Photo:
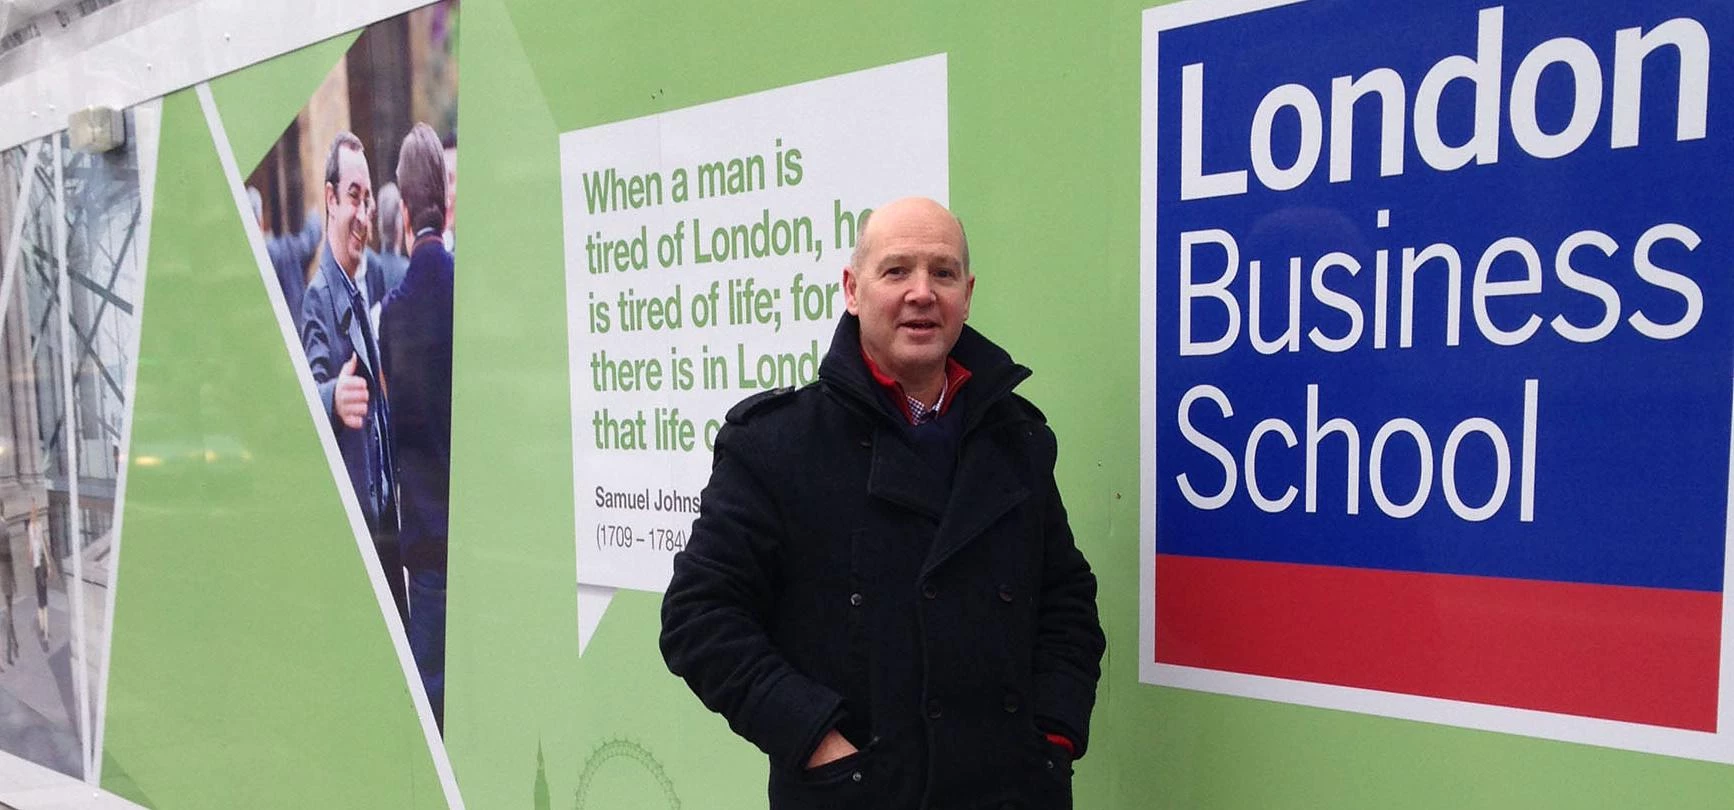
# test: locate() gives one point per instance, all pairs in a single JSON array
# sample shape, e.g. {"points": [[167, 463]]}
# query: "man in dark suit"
{"points": [[289, 254], [416, 341], [386, 266], [343, 354]]}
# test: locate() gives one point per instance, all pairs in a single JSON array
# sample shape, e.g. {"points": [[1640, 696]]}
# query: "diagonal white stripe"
{"points": [[28, 786], [171, 51]]}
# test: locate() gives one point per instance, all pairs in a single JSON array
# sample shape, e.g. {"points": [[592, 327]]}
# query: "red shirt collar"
{"points": [[913, 410]]}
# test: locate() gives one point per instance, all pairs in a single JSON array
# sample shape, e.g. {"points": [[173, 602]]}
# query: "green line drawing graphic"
{"points": [[627, 750]]}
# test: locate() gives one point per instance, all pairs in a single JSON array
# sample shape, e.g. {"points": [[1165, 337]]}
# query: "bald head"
{"points": [[910, 286], [896, 215]]}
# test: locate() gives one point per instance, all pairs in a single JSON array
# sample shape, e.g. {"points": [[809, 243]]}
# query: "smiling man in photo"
{"points": [[343, 352]]}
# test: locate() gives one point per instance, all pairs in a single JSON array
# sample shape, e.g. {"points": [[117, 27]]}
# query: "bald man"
{"points": [[881, 590]]}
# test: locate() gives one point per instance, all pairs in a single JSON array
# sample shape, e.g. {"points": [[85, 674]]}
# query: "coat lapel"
{"points": [[337, 294], [902, 477], [351, 327], [983, 491]]}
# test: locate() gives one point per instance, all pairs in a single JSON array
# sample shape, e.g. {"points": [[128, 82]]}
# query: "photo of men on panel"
{"points": [[356, 204]]}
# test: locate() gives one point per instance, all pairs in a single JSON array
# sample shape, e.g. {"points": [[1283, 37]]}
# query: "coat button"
{"points": [[933, 712], [1011, 703], [855, 599], [856, 776], [1005, 594], [929, 591]]}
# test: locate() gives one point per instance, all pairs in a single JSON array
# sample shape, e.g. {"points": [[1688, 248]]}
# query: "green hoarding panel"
{"points": [[251, 664]]}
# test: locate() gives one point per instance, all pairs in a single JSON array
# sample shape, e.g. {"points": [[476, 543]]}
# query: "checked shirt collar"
{"points": [[914, 410]]}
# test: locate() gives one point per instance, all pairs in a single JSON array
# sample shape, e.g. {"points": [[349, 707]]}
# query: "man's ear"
{"points": [[968, 295], [849, 301]]}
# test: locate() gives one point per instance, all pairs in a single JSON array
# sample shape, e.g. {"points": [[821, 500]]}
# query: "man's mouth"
{"points": [[919, 325]]}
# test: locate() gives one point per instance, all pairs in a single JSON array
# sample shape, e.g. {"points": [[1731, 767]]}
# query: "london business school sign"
{"points": [[1438, 312]]}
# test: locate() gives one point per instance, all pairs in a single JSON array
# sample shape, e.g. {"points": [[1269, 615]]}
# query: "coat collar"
{"points": [[985, 485], [993, 373]]}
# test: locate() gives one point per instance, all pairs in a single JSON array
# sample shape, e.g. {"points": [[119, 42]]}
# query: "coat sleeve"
{"points": [[715, 614], [317, 344], [1069, 643]]}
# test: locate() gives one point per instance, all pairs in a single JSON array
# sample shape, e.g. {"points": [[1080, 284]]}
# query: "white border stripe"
{"points": [[1438, 711], [147, 124], [1147, 361], [316, 413], [1724, 692], [28, 786], [1713, 747], [176, 50]]}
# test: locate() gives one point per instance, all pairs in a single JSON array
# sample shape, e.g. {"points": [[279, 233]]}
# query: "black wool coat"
{"points": [[836, 577]]}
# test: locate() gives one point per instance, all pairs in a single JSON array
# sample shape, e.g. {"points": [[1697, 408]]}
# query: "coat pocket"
{"points": [[837, 770], [1050, 782], [842, 784]]}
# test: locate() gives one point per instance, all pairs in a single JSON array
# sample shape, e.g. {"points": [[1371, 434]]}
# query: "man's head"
{"points": [[421, 175], [451, 148], [390, 220], [348, 202], [909, 283]]}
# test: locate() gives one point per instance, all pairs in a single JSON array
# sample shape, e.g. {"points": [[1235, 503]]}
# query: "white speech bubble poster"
{"points": [[704, 254]]}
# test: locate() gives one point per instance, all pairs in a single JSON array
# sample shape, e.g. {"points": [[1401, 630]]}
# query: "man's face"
{"points": [[911, 290], [406, 237], [349, 210]]}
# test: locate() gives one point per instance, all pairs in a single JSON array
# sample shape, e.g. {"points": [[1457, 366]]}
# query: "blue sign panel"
{"points": [[1442, 291]]}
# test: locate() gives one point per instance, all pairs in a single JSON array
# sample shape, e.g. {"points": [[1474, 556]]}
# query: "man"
{"points": [[289, 254], [451, 225], [43, 566], [416, 344], [881, 590], [343, 354], [385, 267]]}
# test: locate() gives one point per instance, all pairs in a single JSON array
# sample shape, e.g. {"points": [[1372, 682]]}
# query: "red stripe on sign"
{"points": [[1641, 655]]}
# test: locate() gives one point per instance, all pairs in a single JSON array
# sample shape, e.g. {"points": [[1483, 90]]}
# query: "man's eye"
{"points": [[897, 272]]}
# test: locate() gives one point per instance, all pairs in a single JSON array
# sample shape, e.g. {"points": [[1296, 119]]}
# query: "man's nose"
{"points": [[921, 289]]}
